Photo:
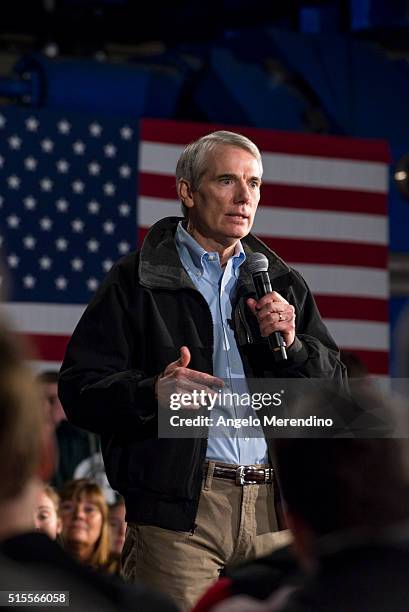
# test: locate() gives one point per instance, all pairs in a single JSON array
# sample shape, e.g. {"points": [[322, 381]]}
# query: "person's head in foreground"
{"points": [[355, 485], [84, 516], [25, 453], [46, 515]]}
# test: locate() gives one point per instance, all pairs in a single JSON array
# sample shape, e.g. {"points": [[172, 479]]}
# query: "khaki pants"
{"points": [[234, 523]]}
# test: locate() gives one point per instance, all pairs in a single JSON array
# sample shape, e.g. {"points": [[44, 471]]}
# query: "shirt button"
{"points": [[198, 274]]}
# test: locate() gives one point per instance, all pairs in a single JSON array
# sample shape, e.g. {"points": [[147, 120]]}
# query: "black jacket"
{"points": [[144, 311], [39, 561]]}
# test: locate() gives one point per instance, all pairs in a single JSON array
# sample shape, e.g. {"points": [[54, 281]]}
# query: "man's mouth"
{"points": [[238, 215]]}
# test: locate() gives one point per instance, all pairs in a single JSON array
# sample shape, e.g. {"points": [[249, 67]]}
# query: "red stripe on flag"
{"points": [[284, 196], [377, 362], [353, 308], [157, 186], [330, 200], [48, 347], [328, 252], [174, 132]]}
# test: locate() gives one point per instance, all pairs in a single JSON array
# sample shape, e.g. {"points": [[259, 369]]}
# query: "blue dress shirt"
{"points": [[218, 286]]}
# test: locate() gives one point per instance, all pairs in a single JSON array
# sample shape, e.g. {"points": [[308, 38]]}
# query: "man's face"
{"points": [[54, 408], [222, 208]]}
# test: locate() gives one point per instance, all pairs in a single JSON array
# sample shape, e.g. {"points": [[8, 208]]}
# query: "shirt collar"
{"points": [[187, 245]]}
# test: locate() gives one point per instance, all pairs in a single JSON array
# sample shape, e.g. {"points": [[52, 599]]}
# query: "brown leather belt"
{"points": [[245, 474]]}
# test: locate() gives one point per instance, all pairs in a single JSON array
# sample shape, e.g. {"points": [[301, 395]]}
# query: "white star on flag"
{"points": [[77, 264], [29, 281], [46, 224], [77, 226], [13, 182], [93, 207], [92, 245], [64, 126], [78, 186], [124, 247], [107, 265], [29, 242], [94, 168], [110, 150], [92, 284], [124, 209], [14, 142], [109, 189], [30, 203], [126, 132], [62, 166], [30, 163], [61, 244], [108, 227], [32, 124], [13, 221], [46, 184], [95, 129], [45, 262], [61, 283], [47, 145], [78, 147], [62, 205], [13, 260]]}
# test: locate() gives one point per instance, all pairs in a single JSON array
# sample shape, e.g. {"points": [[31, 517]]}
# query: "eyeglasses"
{"points": [[68, 507]]}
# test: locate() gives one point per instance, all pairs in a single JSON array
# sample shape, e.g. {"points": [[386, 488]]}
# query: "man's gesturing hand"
{"points": [[178, 378], [274, 313]]}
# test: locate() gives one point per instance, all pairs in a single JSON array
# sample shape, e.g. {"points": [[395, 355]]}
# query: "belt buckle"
{"points": [[240, 473]]}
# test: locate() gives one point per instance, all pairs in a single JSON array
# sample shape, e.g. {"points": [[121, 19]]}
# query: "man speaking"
{"points": [[183, 313]]}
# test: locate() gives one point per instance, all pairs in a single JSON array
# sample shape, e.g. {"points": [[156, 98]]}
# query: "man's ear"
{"points": [[185, 193]]}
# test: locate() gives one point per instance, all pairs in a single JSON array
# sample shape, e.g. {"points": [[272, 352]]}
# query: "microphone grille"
{"points": [[257, 262]]}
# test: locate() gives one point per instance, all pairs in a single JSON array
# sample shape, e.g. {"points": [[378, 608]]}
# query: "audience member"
{"points": [[117, 532], [29, 558], [84, 515], [46, 515], [79, 451]]}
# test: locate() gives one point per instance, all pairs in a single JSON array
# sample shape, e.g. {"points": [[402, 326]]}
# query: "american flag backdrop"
{"points": [[68, 211], [73, 189]]}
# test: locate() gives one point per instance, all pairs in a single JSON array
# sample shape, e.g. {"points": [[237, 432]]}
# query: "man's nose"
{"points": [[242, 192]]}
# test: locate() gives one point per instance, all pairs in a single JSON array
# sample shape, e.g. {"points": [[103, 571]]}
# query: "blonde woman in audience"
{"points": [[84, 515], [46, 515]]}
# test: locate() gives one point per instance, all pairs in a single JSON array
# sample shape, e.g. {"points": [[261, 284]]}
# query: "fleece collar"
{"points": [[160, 266]]}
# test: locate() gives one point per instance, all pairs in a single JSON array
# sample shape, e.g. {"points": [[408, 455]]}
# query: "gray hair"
{"points": [[192, 163]]}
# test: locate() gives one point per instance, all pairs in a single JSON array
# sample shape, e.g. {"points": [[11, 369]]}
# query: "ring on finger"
{"points": [[280, 317]]}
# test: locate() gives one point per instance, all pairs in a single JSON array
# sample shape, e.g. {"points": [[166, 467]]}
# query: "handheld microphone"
{"points": [[258, 266]]}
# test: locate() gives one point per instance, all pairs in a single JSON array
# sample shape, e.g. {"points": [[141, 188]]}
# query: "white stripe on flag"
{"points": [[54, 319], [345, 281], [284, 168], [43, 366], [359, 334], [321, 225], [288, 223], [312, 171]]}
